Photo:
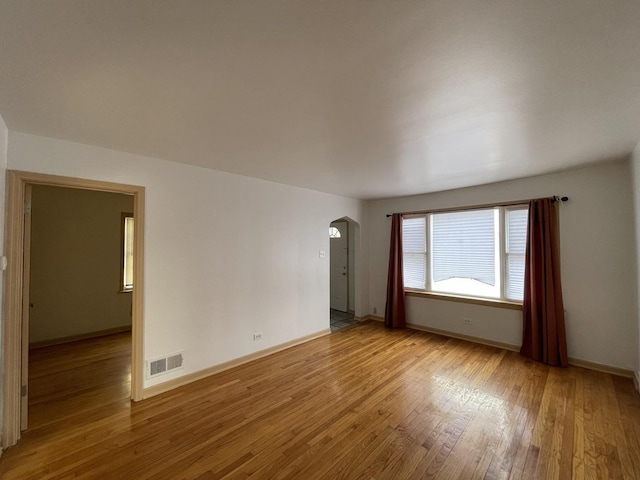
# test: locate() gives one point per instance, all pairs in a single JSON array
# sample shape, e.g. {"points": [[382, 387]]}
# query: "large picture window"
{"points": [[470, 253]]}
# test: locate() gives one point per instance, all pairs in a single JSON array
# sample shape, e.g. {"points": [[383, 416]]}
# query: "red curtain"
{"points": [[543, 337], [394, 310]]}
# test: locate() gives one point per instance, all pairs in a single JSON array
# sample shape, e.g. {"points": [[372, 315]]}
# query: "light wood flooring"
{"points": [[364, 402]]}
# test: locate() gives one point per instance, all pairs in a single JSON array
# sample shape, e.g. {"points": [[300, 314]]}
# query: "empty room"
{"points": [[319, 239]]}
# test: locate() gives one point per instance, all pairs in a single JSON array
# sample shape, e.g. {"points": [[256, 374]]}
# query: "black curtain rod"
{"points": [[555, 198]]}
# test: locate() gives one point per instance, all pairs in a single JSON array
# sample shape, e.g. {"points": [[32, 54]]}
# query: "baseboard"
{"points": [[446, 333], [195, 376], [600, 367], [468, 338], [82, 336], [576, 362], [207, 372]]}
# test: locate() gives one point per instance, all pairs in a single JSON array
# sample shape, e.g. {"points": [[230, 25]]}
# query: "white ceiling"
{"points": [[363, 98]]}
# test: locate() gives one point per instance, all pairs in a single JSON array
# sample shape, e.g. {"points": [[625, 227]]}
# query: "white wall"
{"points": [[598, 262], [76, 254], [225, 255], [4, 139], [635, 166]]}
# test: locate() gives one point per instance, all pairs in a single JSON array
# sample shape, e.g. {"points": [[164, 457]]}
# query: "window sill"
{"points": [[472, 300]]}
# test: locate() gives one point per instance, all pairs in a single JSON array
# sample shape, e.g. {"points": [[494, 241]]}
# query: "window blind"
{"points": [[414, 246], [516, 240], [463, 246]]}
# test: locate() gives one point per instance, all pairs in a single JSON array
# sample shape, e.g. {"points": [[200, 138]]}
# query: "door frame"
{"points": [[15, 294], [346, 235]]}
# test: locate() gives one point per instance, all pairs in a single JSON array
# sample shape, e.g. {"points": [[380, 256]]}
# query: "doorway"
{"points": [[17, 301], [339, 265], [78, 305], [342, 241]]}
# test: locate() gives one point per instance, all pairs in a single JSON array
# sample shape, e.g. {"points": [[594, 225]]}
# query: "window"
{"points": [[127, 253], [515, 245], [470, 253], [334, 232]]}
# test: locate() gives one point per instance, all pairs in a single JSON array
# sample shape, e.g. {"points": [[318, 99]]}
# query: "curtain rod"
{"points": [[555, 198]]}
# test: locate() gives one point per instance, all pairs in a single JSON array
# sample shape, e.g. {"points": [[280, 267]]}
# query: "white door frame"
{"points": [[14, 291]]}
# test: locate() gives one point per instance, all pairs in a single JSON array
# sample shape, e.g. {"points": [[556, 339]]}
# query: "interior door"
{"points": [[339, 270]]}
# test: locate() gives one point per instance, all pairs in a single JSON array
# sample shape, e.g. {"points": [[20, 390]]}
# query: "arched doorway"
{"points": [[343, 239]]}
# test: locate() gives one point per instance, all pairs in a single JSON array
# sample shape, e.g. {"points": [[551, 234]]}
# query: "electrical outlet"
{"points": [[375, 310], [257, 336], [466, 320]]}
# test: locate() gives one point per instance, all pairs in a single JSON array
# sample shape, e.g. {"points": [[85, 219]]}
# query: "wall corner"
{"points": [[635, 175]]}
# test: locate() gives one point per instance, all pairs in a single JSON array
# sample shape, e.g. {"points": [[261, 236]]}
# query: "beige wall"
{"points": [[75, 263]]}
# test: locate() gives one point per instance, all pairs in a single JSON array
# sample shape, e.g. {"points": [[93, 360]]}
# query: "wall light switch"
{"points": [[3, 262], [323, 254]]}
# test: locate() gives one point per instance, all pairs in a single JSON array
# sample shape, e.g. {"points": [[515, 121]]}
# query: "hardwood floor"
{"points": [[364, 402]]}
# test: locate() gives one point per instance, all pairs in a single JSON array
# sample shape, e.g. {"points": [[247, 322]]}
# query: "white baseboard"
{"points": [[468, 338], [207, 372], [601, 367], [577, 362], [199, 375], [82, 336]]}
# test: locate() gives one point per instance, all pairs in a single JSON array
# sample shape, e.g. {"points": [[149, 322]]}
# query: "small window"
{"points": [[334, 232], [127, 252]]}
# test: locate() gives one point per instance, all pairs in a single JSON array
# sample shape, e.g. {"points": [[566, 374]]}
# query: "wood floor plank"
{"points": [[577, 467], [364, 402]]}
